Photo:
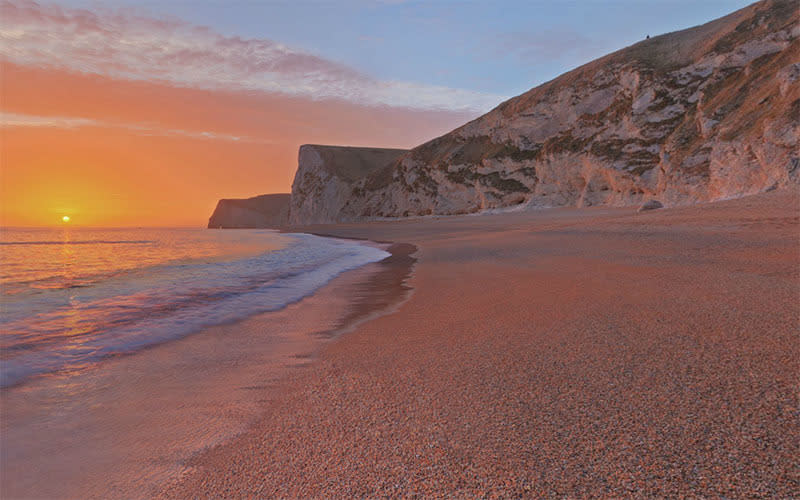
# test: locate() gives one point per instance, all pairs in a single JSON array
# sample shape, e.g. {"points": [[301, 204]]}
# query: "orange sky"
{"points": [[114, 152]]}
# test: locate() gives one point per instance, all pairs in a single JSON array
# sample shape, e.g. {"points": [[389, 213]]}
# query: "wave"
{"points": [[57, 331]]}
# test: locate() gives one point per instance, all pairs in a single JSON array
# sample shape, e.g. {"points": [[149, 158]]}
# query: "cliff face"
{"points": [[326, 176], [702, 114], [269, 210]]}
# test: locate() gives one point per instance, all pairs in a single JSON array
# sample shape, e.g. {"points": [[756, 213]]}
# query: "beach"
{"points": [[553, 353], [331, 250], [123, 426]]}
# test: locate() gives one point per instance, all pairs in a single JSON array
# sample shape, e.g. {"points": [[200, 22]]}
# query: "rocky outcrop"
{"points": [[326, 179], [265, 211], [651, 205], [702, 114]]}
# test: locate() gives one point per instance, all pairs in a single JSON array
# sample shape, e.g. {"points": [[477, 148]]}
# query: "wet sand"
{"points": [[559, 353], [125, 426]]}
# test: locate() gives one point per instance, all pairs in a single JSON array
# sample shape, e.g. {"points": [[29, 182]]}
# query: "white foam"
{"points": [[169, 302]]}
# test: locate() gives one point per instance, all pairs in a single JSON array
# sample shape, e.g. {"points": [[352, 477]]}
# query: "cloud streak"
{"points": [[15, 120], [124, 45], [9, 120]]}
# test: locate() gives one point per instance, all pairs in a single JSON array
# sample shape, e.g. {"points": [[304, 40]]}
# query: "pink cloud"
{"points": [[105, 137], [16, 120], [123, 44]]}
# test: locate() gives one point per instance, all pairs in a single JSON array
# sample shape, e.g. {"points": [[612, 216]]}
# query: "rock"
{"points": [[703, 114], [265, 211], [326, 178], [650, 205]]}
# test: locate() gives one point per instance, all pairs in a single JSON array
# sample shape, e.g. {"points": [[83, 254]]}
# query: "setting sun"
{"points": [[561, 239]]}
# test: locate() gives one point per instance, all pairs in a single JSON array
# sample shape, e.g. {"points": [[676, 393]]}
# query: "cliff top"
{"points": [[353, 163], [700, 114], [260, 203], [669, 51], [266, 210]]}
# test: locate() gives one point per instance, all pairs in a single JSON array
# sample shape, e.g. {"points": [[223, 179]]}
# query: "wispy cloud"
{"points": [[12, 120], [125, 45]]}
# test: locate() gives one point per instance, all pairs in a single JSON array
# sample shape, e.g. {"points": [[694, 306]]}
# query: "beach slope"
{"points": [[564, 352]]}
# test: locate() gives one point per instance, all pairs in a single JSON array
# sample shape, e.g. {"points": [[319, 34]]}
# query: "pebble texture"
{"points": [[554, 354]]}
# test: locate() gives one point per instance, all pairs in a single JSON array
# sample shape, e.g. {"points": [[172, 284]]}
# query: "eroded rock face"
{"points": [[265, 211], [703, 114], [326, 179]]}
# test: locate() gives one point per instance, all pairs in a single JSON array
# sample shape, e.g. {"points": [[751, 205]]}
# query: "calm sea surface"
{"points": [[71, 297]]}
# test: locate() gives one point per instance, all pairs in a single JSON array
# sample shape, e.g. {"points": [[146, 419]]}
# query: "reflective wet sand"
{"points": [[124, 427]]}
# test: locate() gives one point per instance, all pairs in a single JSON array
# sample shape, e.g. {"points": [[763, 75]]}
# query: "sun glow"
{"points": [[65, 219]]}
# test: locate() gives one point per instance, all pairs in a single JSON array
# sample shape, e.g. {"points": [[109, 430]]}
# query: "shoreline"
{"points": [[128, 424], [67, 371], [576, 352]]}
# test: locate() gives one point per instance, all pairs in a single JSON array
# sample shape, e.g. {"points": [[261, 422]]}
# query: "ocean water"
{"points": [[71, 297]]}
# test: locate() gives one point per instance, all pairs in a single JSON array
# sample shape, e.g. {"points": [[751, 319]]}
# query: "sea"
{"points": [[73, 297]]}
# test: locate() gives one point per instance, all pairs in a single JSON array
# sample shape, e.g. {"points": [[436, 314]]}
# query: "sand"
{"points": [[125, 426], [559, 353]]}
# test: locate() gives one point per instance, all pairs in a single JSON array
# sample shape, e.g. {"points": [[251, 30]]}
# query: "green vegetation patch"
{"points": [[504, 185], [770, 18], [564, 143], [453, 150], [638, 161]]}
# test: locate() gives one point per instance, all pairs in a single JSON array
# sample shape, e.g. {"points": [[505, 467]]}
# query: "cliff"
{"points": [[702, 114], [269, 210], [326, 176]]}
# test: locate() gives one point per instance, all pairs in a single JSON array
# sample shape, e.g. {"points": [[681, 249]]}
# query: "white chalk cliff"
{"points": [[326, 177], [702, 114]]}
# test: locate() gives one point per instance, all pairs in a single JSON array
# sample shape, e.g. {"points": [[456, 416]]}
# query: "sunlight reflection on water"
{"points": [[72, 297]]}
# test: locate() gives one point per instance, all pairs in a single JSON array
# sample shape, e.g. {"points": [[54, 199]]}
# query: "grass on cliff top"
{"points": [[352, 163]]}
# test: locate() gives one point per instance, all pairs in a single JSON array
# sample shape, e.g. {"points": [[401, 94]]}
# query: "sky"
{"points": [[123, 113]]}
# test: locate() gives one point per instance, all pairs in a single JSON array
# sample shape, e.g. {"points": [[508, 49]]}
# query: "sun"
{"points": [[65, 219]]}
